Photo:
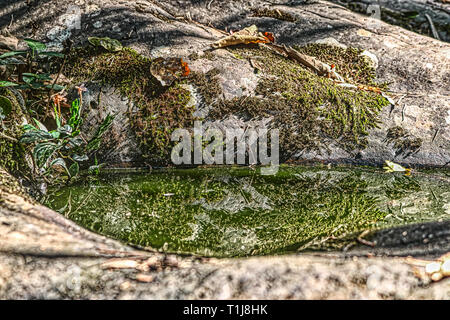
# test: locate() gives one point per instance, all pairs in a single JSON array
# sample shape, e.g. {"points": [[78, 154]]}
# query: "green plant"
{"points": [[25, 67], [63, 147]]}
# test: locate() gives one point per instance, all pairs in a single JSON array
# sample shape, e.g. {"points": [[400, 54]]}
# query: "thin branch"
{"points": [[8, 137]]}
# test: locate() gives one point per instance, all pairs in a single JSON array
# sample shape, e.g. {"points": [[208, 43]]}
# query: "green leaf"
{"points": [[52, 54], [12, 53], [34, 75], [58, 121], [27, 127], [94, 143], [109, 44], [80, 158], [55, 134], [5, 105], [36, 85], [35, 45], [44, 76], [74, 169], [74, 143], [28, 79], [65, 131], [56, 87], [40, 125], [60, 162], [35, 136], [8, 84], [43, 151], [11, 60], [95, 168], [75, 116]]}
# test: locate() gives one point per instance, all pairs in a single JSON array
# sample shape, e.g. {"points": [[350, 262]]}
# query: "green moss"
{"points": [[207, 85], [12, 152], [349, 63], [156, 120], [160, 110], [274, 13], [309, 110]]}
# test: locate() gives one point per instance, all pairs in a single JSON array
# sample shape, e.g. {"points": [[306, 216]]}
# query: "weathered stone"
{"points": [[43, 255]]}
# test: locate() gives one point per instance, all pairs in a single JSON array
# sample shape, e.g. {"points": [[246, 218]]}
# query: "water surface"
{"points": [[239, 212]]}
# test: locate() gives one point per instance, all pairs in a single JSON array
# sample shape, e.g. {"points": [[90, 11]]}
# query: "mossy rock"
{"points": [[309, 110], [160, 110], [12, 152]]}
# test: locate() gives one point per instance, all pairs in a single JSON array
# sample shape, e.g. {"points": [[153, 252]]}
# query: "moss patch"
{"points": [[274, 13], [160, 110], [207, 85], [12, 153], [309, 110], [349, 63]]}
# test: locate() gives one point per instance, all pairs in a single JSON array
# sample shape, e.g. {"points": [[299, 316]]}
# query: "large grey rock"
{"points": [[415, 66]]}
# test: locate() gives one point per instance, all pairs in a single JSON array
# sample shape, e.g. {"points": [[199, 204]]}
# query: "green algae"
{"points": [[238, 212]]}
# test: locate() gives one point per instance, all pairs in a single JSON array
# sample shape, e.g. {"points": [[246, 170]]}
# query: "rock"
{"points": [[8, 43], [418, 84], [331, 42]]}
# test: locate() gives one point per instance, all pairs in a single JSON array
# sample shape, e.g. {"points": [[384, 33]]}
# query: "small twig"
{"points": [[8, 137], [50, 92], [432, 27], [435, 134], [363, 241], [208, 6], [403, 112], [397, 103]]}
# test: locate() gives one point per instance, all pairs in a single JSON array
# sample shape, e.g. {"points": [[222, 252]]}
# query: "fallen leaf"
{"points": [[245, 36], [168, 70]]}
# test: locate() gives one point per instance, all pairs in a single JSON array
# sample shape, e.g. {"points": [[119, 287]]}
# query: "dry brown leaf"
{"points": [[244, 36], [168, 70]]}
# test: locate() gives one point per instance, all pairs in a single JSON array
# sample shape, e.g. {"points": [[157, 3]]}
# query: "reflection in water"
{"points": [[238, 212]]}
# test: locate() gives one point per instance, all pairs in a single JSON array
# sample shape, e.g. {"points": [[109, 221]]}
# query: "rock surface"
{"points": [[43, 255], [415, 66]]}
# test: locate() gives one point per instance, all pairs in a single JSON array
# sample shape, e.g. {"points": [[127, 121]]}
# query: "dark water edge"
{"points": [[230, 212]]}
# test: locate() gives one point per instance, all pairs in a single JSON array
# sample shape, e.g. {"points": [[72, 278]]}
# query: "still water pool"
{"points": [[228, 212]]}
